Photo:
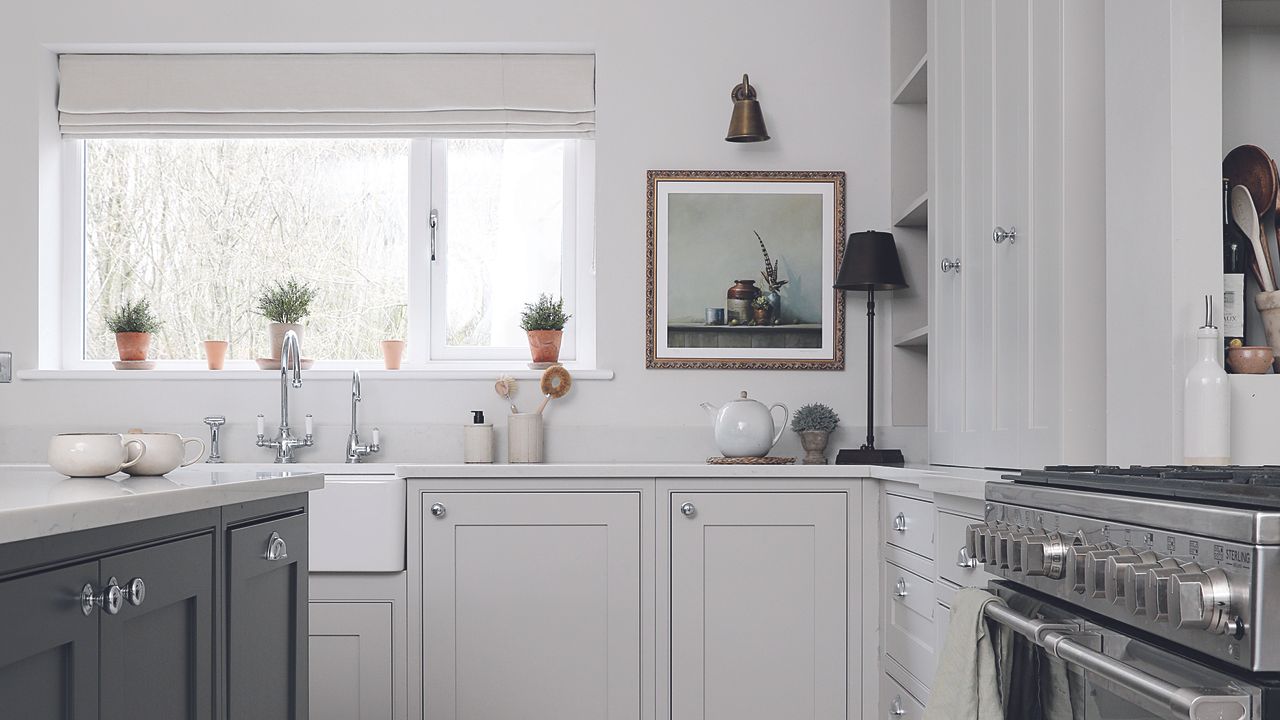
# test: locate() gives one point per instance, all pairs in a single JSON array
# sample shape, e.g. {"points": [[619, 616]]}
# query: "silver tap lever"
{"points": [[355, 450], [285, 442], [215, 423]]}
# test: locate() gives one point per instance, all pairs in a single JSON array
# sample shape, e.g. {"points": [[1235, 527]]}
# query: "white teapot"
{"points": [[744, 427]]}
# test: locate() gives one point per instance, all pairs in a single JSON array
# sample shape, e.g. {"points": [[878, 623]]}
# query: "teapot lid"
{"points": [[741, 396]]}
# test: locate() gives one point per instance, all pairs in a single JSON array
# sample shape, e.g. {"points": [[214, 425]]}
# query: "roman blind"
{"points": [[327, 95]]}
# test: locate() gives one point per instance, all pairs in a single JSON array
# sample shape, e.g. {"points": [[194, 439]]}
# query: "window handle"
{"points": [[432, 221]]}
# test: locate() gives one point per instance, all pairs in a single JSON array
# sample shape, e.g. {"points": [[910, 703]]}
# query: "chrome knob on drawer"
{"points": [[688, 510], [895, 708], [900, 588], [110, 599], [276, 548], [437, 510], [900, 522], [134, 591], [964, 560]]}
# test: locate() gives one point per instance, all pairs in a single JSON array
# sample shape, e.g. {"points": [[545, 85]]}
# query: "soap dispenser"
{"points": [[477, 439], [1206, 403]]}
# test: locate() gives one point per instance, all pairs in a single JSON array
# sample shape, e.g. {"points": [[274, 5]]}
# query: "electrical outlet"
{"points": [[6, 367]]}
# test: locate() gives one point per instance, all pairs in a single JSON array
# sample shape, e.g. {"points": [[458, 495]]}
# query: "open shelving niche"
{"points": [[909, 203]]}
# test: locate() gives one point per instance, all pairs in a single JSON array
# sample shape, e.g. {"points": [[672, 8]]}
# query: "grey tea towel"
{"points": [[967, 685]]}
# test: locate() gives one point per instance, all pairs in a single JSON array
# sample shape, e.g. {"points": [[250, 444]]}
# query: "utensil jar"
{"points": [[524, 438]]}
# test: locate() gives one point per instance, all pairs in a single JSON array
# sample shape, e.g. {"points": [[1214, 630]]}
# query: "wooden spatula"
{"points": [[1246, 216]]}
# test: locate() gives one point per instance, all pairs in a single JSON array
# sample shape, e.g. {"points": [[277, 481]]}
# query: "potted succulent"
{"points": [[543, 321], [285, 304], [814, 423], [133, 323]]}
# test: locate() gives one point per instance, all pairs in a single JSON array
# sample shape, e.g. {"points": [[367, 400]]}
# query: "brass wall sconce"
{"points": [[747, 122]]}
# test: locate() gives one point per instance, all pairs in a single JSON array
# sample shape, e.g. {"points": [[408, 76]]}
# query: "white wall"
{"points": [[665, 68]]}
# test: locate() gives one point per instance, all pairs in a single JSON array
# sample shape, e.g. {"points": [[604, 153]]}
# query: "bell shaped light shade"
{"points": [[870, 263], [747, 122]]}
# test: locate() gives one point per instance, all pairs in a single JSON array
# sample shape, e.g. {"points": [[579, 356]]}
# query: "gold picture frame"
{"points": [[704, 230]]}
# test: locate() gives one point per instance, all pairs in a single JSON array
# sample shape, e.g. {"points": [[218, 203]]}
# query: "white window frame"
{"points": [[426, 291]]}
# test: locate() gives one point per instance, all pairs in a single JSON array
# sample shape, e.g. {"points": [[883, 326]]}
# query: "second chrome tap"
{"points": [[356, 451]]}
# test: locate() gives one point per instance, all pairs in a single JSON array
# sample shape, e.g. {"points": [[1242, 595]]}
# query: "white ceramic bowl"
{"points": [[93, 454]]}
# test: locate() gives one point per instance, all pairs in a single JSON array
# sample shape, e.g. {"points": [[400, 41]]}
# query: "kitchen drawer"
{"points": [[896, 703], [909, 633], [909, 524], [951, 532]]}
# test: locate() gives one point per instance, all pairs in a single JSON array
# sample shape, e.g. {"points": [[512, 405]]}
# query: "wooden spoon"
{"points": [[1244, 215]]}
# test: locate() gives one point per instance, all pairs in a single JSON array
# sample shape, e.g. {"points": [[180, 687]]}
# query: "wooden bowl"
{"points": [[1250, 360]]}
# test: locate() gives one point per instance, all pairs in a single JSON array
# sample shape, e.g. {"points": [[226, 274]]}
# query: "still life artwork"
{"points": [[740, 266]]}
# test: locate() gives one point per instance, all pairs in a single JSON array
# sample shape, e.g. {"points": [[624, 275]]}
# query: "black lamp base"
{"points": [[863, 456]]}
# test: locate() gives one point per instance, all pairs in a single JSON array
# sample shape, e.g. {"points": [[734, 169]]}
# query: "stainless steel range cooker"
{"points": [[1159, 586]]}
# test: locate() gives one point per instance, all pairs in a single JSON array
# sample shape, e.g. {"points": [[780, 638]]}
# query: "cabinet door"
{"points": [[267, 620], [158, 655], [759, 603], [531, 606], [49, 647], [350, 660]]}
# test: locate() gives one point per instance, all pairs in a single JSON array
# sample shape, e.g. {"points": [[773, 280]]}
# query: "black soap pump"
{"points": [[477, 439]]}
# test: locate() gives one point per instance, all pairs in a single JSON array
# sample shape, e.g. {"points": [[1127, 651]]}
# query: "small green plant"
{"points": [[286, 302], [134, 317], [761, 302], [815, 416], [547, 313]]}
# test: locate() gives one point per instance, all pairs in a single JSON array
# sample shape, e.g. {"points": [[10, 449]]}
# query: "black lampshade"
{"points": [[870, 263]]}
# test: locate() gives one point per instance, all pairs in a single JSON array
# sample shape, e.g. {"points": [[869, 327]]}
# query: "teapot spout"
{"points": [[711, 409]]}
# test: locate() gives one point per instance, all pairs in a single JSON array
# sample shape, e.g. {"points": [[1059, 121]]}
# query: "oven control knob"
{"points": [[1004, 538], [1015, 550], [1156, 605], [987, 544], [1137, 577], [1074, 565], [1044, 555], [1095, 570], [973, 540], [1113, 581], [1200, 600]]}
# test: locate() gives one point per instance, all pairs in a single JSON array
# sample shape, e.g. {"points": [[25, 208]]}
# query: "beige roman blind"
{"points": [[302, 95]]}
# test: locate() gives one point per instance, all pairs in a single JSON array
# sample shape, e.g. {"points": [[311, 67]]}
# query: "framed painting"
{"points": [[740, 266]]}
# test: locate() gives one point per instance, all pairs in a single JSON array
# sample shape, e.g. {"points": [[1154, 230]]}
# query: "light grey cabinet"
{"points": [[530, 605], [351, 660], [759, 605]]}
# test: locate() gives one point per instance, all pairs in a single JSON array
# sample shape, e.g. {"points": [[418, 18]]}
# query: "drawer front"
{"points": [[909, 524], [951, 532], [909, 633], [896, 703]]}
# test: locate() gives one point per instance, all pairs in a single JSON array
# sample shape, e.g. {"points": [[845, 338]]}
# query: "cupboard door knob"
{"points": [[688, 510], [963, 559], [948, 265], [895, 708], [135, 591], [276, 548], [900, 588], [900, 523], [999, 235], [110, 599], [437, 510]]}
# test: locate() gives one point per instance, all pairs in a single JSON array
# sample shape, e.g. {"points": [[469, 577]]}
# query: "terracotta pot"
{"points": [[544, 345], [133, 345], [760, 315], [814, 442], [215, 352], [392, 353], [275, 336]]}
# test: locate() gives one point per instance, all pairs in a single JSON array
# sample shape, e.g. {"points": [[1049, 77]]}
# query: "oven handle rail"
{"points": [[1184, 702]]}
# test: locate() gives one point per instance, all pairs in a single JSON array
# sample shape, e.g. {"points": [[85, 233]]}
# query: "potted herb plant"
{"points": [[133, 323], [285, 304], [814, 423], [760, 310], [543, 321]]}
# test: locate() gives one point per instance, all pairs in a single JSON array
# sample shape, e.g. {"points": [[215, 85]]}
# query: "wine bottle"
{"points": [[1235, 252]]}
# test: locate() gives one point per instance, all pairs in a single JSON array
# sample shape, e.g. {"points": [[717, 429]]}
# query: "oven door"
{"points": [[1060, 666]]}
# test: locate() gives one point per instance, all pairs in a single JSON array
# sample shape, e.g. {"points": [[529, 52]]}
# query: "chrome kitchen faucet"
{"points": [[285, 442], [355, 450]]}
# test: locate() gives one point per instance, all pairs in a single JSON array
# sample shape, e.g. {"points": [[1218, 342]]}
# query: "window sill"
{"points": [[452, 373]]}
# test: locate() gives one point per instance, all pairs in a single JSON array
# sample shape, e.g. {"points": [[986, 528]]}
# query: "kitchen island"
{"points": [[177, 596]]}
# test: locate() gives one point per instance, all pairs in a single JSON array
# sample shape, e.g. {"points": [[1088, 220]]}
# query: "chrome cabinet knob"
{"points": [[900, 522], [900, 588], [688, 510], [965, 560], [1200, 600], [948, 265], [110, 599], [999, 234], [134, 591], [437, 510], [276, 548], [895, 707]]}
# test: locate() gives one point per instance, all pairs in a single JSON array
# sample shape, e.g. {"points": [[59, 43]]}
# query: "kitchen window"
{"points": [[439, 241]]}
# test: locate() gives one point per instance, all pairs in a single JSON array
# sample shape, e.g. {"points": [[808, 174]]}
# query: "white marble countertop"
{"points": [[965, 482], [36, 501]]}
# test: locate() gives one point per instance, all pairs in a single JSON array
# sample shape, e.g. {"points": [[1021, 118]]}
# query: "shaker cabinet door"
{"points": [[759, 605], [49, 646], [157, 651]]}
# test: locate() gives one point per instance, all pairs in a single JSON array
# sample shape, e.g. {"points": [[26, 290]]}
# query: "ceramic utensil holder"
{"points": [[1268, 304], [524, 438]]}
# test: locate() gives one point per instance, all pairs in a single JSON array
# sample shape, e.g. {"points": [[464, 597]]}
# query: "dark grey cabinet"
{"points": [[267, 620], [49, 646]]}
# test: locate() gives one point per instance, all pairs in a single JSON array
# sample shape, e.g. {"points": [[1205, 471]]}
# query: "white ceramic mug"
{"points": [[166, 452], [93, 454]]}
